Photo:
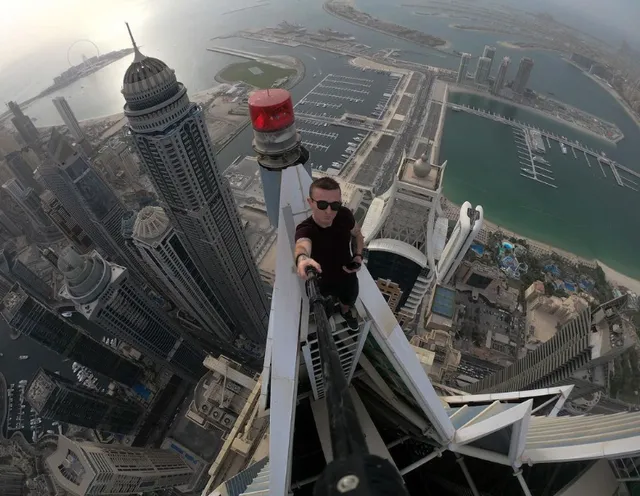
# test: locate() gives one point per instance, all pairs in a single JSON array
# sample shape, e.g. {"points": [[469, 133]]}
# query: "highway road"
{"points": [[408, 133]]}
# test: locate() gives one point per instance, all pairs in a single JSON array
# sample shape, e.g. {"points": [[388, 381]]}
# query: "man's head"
{"points": [[324, 199]]}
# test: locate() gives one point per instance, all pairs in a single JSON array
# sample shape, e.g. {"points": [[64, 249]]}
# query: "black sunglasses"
{"points": [[323, 204]]}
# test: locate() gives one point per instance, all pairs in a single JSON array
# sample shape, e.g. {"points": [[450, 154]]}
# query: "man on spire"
{"points": [[323, 241]]}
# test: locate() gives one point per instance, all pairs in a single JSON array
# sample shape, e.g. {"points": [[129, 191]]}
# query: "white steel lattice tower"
{"points": [[171, 137]]}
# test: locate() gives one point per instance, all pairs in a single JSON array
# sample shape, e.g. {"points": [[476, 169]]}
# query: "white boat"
{"points": [[23, 357], [540, 160], [563, 148]]}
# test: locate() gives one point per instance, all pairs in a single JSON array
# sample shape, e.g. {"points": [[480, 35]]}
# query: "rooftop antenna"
{"points": [[138, 55]]}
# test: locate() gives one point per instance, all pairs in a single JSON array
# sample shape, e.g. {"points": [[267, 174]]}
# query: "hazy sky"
{"points": [[35, 34], [28, 26], [621, 15]]}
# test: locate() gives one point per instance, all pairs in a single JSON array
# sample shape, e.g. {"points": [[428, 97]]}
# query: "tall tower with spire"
{"points": [[104, 293], [171, 137]]}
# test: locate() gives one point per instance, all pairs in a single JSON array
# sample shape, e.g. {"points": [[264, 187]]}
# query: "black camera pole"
{"points": [[353, 471]]}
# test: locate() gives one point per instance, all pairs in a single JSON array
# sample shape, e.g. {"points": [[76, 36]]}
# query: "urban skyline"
{"points": [[173, 143], [154, 277]]}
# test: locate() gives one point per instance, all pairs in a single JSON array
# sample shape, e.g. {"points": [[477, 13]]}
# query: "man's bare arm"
{"points": [[357, 234], [303, 258], [303, 247]]}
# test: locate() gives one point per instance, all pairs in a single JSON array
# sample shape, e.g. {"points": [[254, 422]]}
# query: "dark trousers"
{"points": [[344, 288]]}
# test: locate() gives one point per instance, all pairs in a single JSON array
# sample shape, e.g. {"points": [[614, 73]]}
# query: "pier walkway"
{"points": [[549, 136]]}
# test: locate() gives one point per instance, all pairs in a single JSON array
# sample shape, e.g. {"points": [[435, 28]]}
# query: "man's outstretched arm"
{"points": [[357, 234], [302, 254]]}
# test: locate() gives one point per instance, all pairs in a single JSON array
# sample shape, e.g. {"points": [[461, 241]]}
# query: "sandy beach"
{"points": [[615, 278], [491, 226]]}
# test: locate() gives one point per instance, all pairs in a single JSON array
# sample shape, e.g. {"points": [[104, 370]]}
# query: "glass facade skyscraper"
{"points": [[172, 140]]}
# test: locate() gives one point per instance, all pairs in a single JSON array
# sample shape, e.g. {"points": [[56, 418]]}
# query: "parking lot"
{"points": [[479, 318]]}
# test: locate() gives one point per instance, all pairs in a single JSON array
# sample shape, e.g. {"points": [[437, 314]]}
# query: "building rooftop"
{"points": [[444, 302], [412, 170], [151, 224], [39, 389], [13, 301]]}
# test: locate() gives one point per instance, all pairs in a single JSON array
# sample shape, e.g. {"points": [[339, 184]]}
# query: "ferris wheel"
{"points": [[86, 49]]}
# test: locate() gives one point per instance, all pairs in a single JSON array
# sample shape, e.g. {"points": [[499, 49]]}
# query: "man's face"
{"points": [[324, 217]]}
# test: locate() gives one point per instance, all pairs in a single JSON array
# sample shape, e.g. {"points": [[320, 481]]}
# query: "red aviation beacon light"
{"points": [[271, 110], [275, 138]]}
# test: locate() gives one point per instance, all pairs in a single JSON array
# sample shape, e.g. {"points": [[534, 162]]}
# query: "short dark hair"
{"points": [[326, 183]]}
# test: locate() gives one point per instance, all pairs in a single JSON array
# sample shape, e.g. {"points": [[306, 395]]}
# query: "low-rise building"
{"points": [[442, 309], [437, 354], [221, 394]]}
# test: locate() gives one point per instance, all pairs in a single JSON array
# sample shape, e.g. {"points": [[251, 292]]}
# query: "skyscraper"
{"points": [[172, 140], [67, 224], [404, 237], [482, 70], [24, 126], [105, 294], [522, 76], [501, 77], [464, 67], [30, 202], [60, 183], [490, 53], [93, 205], [37, 321], [466, 229], [14, 270], [69, 118], [57, 398], [162, 249], [84, 468], [22, 171]]}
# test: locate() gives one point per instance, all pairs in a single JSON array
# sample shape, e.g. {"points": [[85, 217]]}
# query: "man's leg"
{"points": [[347, 294]]}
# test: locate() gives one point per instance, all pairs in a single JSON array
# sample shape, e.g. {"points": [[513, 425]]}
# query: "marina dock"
{"points": [[602, 168], [533, 166], [532, 170]]}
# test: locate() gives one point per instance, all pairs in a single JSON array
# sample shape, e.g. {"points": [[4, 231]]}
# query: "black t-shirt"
{"points": [[330, 246]]}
